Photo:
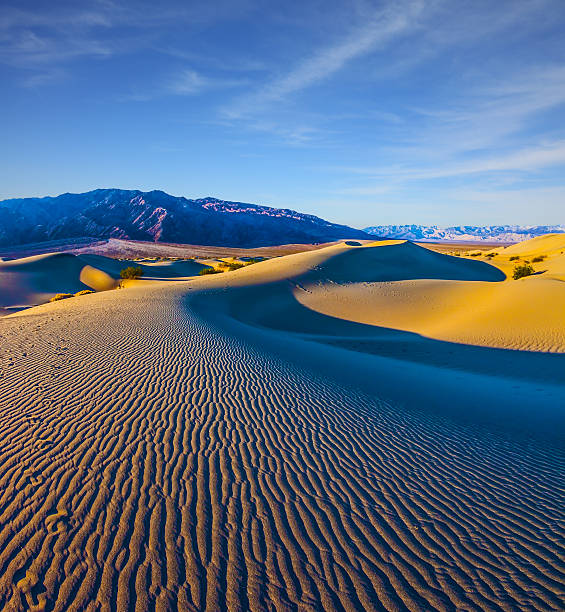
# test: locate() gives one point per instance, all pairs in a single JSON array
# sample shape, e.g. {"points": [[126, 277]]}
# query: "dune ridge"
{"points": [[457, 301], [183, 447]]}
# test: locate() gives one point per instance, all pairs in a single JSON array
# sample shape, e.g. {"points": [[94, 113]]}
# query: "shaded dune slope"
{"points": [[505, 383], [395, 261], [33, 280], [206, 461]]}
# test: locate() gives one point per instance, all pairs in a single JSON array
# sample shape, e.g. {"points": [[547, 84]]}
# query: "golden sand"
{"points": [[528, 314]]}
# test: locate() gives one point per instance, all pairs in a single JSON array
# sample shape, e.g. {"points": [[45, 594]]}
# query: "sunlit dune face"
{"points": [[96, 279]]}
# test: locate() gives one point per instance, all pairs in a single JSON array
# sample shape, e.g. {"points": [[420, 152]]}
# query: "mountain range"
{"points": [[159, 217], [463, 233]]}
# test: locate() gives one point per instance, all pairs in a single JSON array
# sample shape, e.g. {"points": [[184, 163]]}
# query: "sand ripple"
{"points": [[149, 460]]}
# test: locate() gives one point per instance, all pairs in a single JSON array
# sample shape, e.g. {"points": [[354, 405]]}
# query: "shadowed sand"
{"points": [[217, 444], [33, 280]]}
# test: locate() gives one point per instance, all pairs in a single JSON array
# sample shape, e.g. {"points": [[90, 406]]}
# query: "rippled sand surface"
{"points": [[215, 444]]}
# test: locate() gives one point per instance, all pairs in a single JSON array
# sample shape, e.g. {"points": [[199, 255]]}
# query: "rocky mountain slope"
{"points": [[159, 217]]}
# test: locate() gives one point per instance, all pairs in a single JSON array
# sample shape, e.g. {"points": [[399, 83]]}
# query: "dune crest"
{"points": [[448, 298]]}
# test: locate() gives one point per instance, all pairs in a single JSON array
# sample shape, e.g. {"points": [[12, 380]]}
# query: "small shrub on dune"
{"points": [[235, 265], [522, 271], [514, 257], [83, 292], [538, 258], [474, 254], [206, 271], [61, 296], [131, 272]]}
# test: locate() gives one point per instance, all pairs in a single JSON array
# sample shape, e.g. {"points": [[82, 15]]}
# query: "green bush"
{"points": [[131, 272], [523, 270], [514, 257], [83, 292], [538, 258], [206, 271], [61, 296]]}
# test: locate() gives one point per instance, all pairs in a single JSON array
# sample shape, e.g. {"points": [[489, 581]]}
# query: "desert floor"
{"points": [[288, 437]]}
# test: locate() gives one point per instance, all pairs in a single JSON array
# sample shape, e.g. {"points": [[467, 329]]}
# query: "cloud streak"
{"points": [[385, 25]]}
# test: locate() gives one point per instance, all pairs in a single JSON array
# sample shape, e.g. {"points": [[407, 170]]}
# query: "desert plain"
{"points": [[362, 426]]}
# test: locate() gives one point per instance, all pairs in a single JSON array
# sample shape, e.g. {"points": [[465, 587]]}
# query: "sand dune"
{"points": [[551, 247], [216, 444], [34, 280], [549, 244], [527, 314]]}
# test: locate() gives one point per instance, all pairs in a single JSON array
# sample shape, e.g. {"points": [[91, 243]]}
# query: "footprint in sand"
{"points": [[32, 592]]}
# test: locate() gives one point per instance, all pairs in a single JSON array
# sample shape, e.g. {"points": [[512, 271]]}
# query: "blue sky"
{"points": [[407, 111]]}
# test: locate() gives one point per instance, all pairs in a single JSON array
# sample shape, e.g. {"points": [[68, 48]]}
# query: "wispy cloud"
{"points": [[186, 82], [189, 82], [394, 20], [524, 161], [483, 133], [43, 42]]}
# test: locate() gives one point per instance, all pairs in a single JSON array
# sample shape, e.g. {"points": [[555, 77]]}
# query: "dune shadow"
{"points": [[277, 309], [397, 262], [499, 401]]}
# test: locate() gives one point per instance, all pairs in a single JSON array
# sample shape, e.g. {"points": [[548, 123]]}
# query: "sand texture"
{"points": [[220, 444]]}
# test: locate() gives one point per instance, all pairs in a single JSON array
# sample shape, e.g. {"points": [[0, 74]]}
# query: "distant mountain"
{"points": [[464, 233], [159, 217]]}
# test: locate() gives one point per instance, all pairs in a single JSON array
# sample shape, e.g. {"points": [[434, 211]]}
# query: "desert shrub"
{"points": [[84, 292], [205, 271], [522, 270], [538, 258], [131, 272], [474, 254], [514, 257], [235, 265], [61, 296]]}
